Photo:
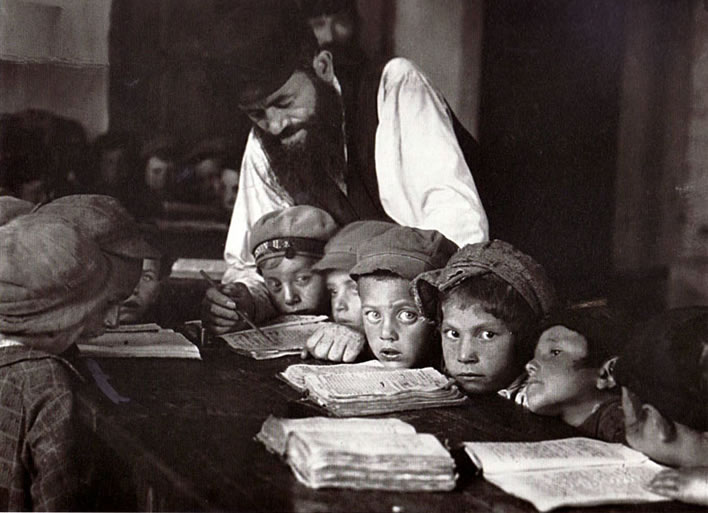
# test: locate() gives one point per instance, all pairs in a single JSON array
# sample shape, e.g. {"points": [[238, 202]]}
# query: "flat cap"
{"points": [[11, 207], [298, 230], [104, 220], [665, 363], [340, 251], [404, 251], [497, 257]]}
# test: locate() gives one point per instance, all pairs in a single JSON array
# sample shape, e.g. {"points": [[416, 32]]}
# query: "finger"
{"points": [[235, 290], [353, 350], [216, 297], [219, 312], [336, 351], [631, 416], [313, 340], [321, 350]]}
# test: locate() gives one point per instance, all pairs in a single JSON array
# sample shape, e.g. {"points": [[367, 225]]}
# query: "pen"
{"points": [[241, 314]]}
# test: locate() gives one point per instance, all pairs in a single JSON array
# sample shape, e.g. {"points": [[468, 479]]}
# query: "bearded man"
{"points": [[382, 146]]}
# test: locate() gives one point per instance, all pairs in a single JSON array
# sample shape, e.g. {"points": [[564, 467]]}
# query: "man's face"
{"points": [[478, 348], [286, 113], [556, 382], [397, 333], [294, 287], [157, 173], [144, 294], [344, 298]]}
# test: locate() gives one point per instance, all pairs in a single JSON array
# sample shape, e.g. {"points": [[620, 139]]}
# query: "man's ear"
{"points": [[323, 65], [606, 378]]}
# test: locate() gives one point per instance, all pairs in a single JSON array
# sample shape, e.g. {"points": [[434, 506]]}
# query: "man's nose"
{"points": [[290, 295], [276, 121], [468, 352]]}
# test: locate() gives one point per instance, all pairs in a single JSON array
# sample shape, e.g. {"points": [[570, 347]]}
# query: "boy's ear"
{"points": [[606, 378], [323, 65]]}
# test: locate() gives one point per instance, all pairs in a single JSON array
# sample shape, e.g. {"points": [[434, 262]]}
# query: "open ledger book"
{"points": [[139, 341], [384, 454], [286, 336], [348, 390], [568, 472]]}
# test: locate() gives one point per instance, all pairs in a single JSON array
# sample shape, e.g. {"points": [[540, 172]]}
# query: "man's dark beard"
{"points": [[306, 170]]}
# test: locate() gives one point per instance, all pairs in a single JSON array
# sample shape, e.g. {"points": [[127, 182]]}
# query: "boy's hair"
{"points": [[604, 332], [499, 299]]}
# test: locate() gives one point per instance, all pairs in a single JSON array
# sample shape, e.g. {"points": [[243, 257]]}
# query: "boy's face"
{"points": [[399, 336], [650, 433], [344, 298], [157, 173], [294, 287], [556, 382], [144, 294], [477, 347]]}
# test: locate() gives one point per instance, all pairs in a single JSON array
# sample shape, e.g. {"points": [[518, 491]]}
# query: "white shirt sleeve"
{"points": [[258, 194], [422, 175]]}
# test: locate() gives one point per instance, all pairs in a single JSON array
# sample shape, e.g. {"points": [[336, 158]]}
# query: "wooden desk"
{"points": [[185, 440]]}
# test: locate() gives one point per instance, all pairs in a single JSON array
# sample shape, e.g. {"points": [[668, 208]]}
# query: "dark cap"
{"points": [[104, 220], [404, 251], [497, 257], [11, 207], [340, 251], [665, 362], [256, 48], [299, 230]]}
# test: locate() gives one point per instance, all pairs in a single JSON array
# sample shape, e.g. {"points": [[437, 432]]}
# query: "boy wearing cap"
{"points": [[663, 372], [344, 341], [488, 299], [55, 287], [385, 146], [570, 375], [398, 334], [285, 245]]}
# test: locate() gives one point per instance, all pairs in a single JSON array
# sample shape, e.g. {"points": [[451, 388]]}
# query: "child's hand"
{"points": [[683, 484], [219, 308], [335, 342]]}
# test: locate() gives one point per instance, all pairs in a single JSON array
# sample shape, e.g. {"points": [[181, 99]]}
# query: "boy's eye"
{"points": [[408, 316], [331, 292], [451, 334], [273, 285], [487, 335], [555, 352], [303, 280], [372, 316]]}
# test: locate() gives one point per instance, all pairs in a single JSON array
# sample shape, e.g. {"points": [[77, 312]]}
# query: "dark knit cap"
{"points": [[256, 48], [340, 251], [299, 230], [665, 362], [496, 257], [104, 220], [403, 251], [51, 277]]}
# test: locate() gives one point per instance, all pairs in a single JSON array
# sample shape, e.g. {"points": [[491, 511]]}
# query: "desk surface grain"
{"points": [[189, 426]]}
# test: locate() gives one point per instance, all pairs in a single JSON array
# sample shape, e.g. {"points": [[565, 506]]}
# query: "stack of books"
{"points": [[285, 336], [356, 390], [569, 472], [139, 341], [382, 454]]}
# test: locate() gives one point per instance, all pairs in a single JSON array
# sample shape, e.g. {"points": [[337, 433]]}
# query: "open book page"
{"points": [[146, 344], [285, 338], [608, 484], [501, 457], [275, 431], [295, 374], [359, 384]]}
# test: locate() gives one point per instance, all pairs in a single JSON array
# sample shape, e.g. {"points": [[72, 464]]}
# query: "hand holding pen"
{"points": [[227, 307]]}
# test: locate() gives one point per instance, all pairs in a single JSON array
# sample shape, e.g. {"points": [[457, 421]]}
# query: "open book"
{"points": [[287, 335], [568, 472], [139, 341], [385, 454], [354, 390]]}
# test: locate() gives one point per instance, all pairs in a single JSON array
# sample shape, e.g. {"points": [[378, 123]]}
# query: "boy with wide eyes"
{"points": [[397, 332], [344, 341], [570, 375], [663, 372], [487, 299], [286, 244]]}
